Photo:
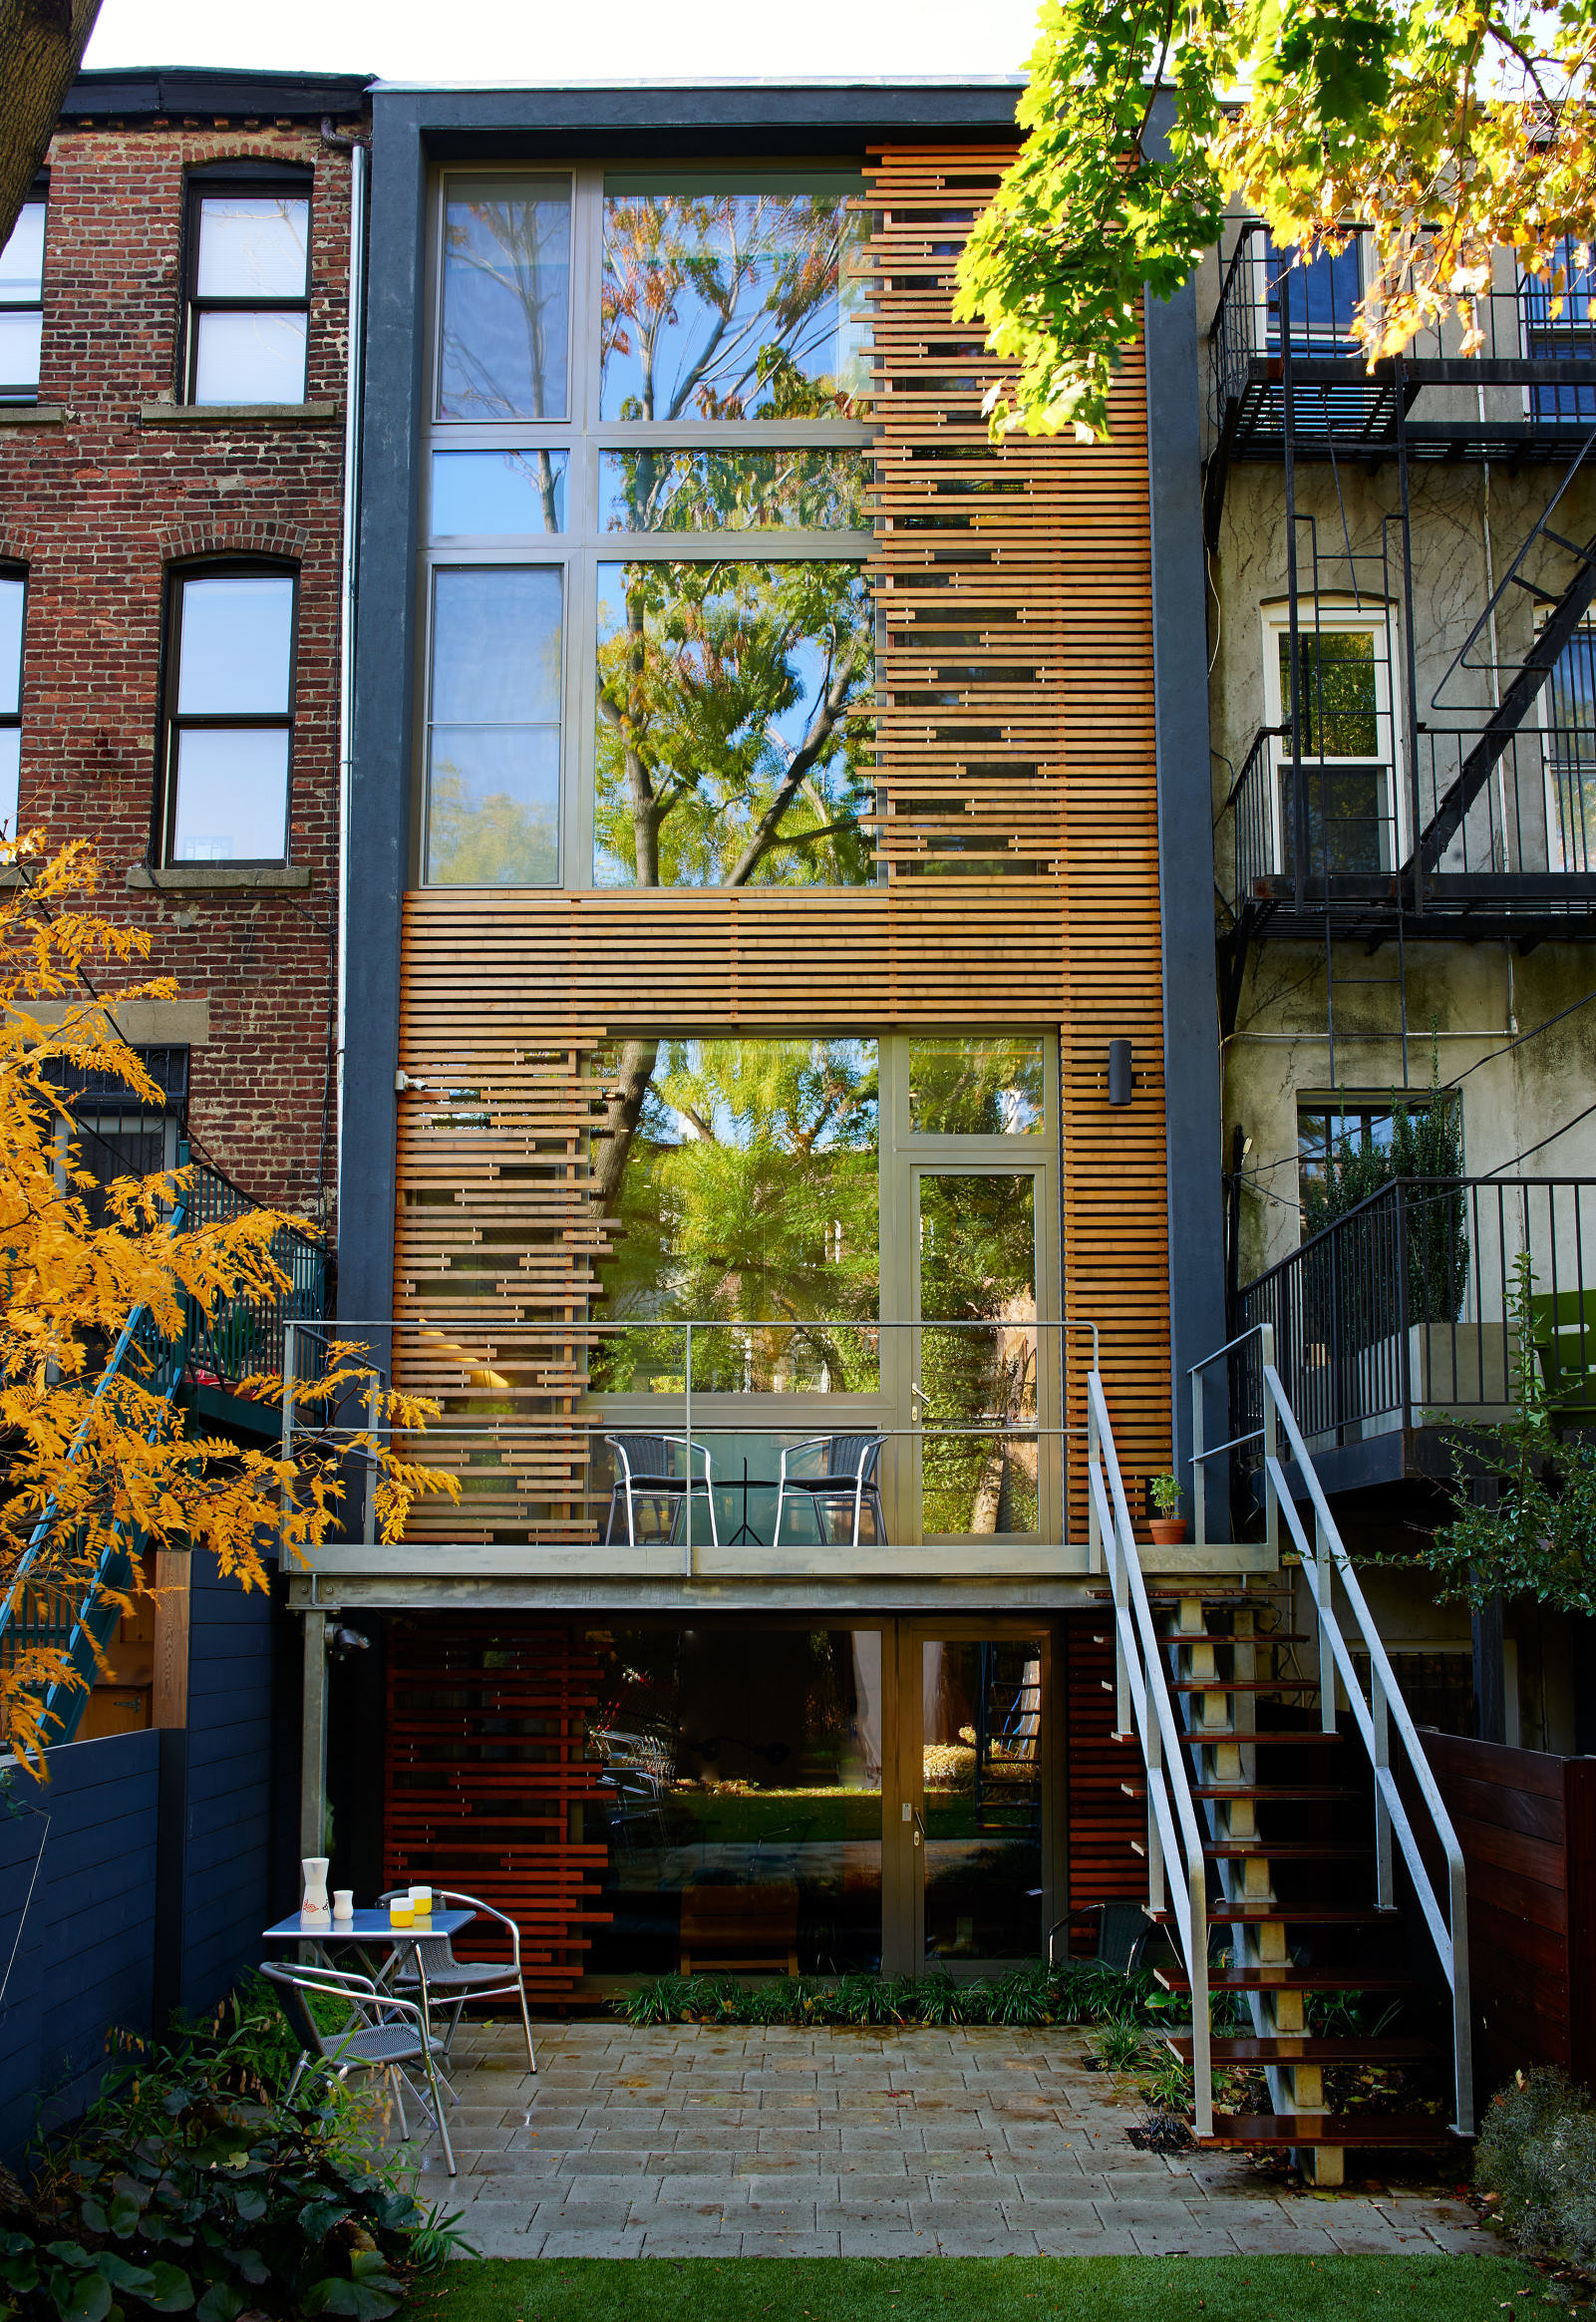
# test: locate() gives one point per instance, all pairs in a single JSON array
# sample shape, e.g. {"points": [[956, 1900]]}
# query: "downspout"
{"points": [[359, 162]]}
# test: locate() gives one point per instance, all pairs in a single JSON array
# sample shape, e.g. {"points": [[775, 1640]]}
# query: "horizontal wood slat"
{"points": [[1017, 832], [486, 1775], [1105, 1825]]}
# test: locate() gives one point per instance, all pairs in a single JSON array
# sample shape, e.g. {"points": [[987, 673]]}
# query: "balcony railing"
{"points": [[1406, 1310], [1538, 347], [1524, 824]]}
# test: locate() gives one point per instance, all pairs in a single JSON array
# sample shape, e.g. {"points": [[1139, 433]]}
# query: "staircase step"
{"points": [[1243, 1685], [1284, 1979], [1224, 1637], [1304, 2048], [1257, 1915], [1346, 2129], [1299, 1793], [1311, 1737], [1282, 1850]]}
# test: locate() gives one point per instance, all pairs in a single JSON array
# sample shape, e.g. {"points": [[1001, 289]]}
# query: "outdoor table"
{"points": [[368, 1930]]}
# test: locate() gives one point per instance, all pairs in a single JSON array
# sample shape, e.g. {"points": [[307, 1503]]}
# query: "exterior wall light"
{"points": [[1122, 1080]]}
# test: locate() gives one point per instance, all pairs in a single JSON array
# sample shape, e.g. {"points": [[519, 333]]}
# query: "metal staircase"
{"points": [[242, 1335], [1273, 1827]]}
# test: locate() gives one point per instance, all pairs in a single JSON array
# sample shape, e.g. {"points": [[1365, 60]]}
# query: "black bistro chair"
{"points": [[834, 1471], [649, 1472]]}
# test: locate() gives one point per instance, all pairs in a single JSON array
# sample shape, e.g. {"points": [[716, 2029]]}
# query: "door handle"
{"points": [[912, 1814]]}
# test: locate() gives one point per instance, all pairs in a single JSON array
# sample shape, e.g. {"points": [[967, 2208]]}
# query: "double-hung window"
{"points": [[13, 605], [650, 644], [22, 305], [1346, 803], [248, 290], [229, 716], [1559, 321]]}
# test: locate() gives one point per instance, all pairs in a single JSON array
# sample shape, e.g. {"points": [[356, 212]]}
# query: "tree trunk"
{"points": [[41, 47]]}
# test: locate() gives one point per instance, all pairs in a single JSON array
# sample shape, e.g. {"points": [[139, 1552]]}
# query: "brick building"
{"points": [[175, 363]]}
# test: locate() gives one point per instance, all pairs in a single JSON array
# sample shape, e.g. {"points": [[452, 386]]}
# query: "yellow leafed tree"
{"points": [[102, 1289]]}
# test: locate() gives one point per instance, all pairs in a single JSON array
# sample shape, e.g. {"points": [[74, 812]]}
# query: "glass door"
{"points": [[977, 1358], [979, 1818]]}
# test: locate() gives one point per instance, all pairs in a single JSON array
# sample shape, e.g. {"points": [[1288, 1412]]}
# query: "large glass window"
{"points": [[249, 294], [492, 742], [713, 725], [731, 300], [743, 1806], [13, 602], [726, 753], [22, 305], [746, 1196], [229, 716], [507, 263]]}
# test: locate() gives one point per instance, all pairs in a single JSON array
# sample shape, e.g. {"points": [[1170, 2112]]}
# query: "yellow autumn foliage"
{"points": [[95, 1454]]}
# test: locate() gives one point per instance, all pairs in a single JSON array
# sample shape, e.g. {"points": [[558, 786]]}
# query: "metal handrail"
{"points": [[1175, 1865], [1374, 1716]]}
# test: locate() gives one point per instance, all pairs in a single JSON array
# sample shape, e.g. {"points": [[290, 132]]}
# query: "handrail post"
{"points": [[687, 1454], [1385, 1890], [1199, 1491], [1271, 1441], [1093, 1467], [290, 1354]]}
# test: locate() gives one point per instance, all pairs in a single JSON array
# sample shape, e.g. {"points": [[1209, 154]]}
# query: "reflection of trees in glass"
{"points": [[730, 305], [496, 841], [984, 1086], [799, 487], [726, 753], [749, 1193], [977, 1263], [494, 743], [505, 300], [1340, 701]]}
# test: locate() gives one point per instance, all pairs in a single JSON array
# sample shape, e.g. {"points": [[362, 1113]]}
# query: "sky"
{"points": [[620, 40]]}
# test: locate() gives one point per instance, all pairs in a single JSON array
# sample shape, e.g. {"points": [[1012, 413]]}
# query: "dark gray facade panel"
{"points": [[702, 120], [378, 837], [1194, 1132]]}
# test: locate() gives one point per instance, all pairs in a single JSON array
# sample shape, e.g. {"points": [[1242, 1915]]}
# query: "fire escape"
{"points": [[1373, 809]]}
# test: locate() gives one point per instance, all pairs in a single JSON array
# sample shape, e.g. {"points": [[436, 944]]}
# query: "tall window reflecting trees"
{"points": [[626, 370]]}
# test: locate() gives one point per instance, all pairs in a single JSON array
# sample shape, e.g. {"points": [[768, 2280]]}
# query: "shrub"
{"points": [[192, 2187], [1078, 1991], [1538, 2154]]}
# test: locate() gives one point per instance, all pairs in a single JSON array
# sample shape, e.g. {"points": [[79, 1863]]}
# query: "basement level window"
{"points": [[248, 292], [22, 306]]}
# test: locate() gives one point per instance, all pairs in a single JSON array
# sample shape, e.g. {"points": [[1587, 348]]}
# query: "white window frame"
{"points": [[1326, 619]]}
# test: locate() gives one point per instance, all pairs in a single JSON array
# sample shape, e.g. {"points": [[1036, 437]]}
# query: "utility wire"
{"points": [[1550, 1139], [1534, 1031]]}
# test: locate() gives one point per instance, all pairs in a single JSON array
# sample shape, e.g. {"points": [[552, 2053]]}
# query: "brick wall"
{"points": [[97, 506]]}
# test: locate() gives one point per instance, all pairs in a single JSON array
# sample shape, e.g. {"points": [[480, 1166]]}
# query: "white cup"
{"points": [[342, 1902], [421, 1901]]}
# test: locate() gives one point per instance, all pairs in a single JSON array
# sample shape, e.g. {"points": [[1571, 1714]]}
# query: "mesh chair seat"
{"points": [[381, 2044], [463, 1975]]}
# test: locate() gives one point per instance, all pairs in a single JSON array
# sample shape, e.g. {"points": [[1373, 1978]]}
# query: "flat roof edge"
{"points": [[159, 90]]}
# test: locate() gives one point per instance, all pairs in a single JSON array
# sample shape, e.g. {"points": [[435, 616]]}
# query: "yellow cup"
{"points": [[400, 1913], [421, 1901]]}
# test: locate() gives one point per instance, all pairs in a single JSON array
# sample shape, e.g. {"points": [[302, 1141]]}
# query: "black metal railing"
{"points": [[1409, 1308], [244, 1336], [1528, 816], [1269, 307]]}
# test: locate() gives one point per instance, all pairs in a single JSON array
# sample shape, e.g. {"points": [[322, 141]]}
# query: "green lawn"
{"points": [[981, 2289]]}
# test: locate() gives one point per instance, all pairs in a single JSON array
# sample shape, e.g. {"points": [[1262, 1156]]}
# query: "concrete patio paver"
{"points": [[690, 2141]]}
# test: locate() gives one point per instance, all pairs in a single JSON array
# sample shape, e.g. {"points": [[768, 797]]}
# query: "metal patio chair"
{"points": [[430, 1966], [648, 1468], [846, 1471], [381, 2034]]}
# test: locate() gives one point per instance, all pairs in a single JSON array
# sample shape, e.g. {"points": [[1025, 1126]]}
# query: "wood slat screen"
{"points": [[1017, 826], [1105, 1825], [486, 1777]]}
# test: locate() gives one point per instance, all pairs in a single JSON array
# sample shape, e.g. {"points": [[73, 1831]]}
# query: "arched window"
{"points": [[248, 267]]}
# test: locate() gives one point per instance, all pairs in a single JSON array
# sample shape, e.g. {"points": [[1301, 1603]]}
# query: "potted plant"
{"points": [[1168, 1524]]}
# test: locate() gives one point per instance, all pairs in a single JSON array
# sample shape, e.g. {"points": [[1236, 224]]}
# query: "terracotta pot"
{"points": [[1167, 1531]]}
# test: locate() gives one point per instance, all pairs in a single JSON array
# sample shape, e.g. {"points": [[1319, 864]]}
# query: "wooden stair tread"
{"points": [[1285, 1979], [1305, 2048], [1201, 1736], [1346, 2129], [1296, 1792], [1283, 1849], [1231, 1684], [1264, 1914]]}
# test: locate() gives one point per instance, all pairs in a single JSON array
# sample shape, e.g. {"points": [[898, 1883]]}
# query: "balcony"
{"points": [[1488, 835], [1403, 1316], [960, 1454], [1284, 363]]}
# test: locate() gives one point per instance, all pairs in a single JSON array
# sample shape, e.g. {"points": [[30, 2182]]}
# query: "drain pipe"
{"points": [[359, 164]]}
